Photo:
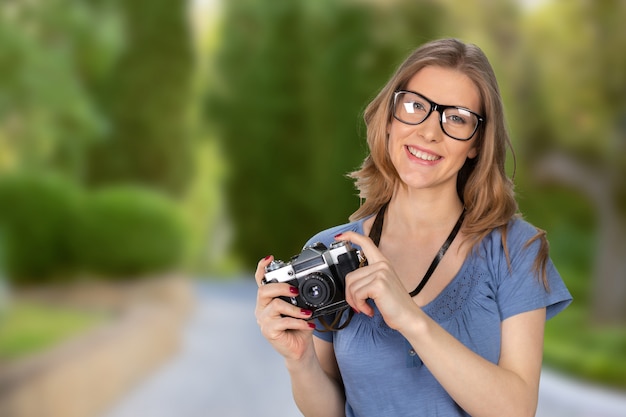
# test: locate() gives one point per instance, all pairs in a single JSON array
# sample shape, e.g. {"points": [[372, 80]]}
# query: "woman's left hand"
{"points": [[379, 282]]}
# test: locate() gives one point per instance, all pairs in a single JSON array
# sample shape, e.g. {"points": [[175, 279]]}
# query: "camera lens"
{"points": [[317, 289]]}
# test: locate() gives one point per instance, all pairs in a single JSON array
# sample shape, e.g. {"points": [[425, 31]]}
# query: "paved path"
{"points": [[226, 369]]}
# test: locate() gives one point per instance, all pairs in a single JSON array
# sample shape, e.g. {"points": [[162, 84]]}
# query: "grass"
{"points": [[27, 328], [574, 346]]}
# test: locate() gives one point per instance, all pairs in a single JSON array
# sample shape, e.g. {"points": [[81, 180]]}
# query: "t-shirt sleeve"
{"points": [[324, 335], [520, 287]]}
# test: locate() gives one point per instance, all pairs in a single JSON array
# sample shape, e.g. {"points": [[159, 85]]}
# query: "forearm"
{"points": [[480, 387], [315, 392]]}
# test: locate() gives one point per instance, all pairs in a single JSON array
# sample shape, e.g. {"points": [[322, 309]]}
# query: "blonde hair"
{"points": [[482, 184]]}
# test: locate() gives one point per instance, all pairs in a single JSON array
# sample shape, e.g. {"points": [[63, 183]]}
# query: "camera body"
{"points": [[319, 274]]}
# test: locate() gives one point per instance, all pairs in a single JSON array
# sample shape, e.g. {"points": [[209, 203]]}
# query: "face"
{"points": [[423, 155]]}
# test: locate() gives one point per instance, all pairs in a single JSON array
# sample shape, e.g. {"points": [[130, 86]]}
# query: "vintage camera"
{"points": [[319, 274]]}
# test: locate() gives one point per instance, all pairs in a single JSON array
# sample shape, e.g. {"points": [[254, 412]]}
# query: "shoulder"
{"points": [[517, 235], [328, 236], [519, 283], [511, 248], [520, 229]]}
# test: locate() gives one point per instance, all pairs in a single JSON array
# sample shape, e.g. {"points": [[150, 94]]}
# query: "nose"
{"points": [[430, 128]]}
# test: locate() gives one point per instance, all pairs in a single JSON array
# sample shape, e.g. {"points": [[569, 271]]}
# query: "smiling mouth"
{"points": [[422, 155]]}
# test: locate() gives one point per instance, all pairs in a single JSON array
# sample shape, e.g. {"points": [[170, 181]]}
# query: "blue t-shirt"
{"points": [[382, 374]]}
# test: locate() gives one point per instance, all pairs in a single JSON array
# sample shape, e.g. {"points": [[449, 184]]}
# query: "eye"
{"points": [[456, 119], [458, 116], [414, 106]]}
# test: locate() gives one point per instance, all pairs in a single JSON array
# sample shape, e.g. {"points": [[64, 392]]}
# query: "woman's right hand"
{"points": [[284, 325]]}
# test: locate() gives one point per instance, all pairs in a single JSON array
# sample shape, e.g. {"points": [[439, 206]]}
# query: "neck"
{"points": [[423, 211]]}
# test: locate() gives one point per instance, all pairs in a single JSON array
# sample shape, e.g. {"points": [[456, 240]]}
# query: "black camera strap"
{"points": [[377, 229]]}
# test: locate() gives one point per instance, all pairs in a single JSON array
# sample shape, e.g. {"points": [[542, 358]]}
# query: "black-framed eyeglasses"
{"points": [[457, 122]]}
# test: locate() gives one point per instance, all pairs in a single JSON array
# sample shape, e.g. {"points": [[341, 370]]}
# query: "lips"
{"points": [[424, 156]]}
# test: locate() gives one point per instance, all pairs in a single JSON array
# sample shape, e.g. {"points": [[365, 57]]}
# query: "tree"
{"points": [[148, 98], [98, 90], [51, 52], [292, 79], [581, 90]]}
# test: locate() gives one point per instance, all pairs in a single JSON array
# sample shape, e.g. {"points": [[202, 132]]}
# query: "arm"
{"points": [[316, 382], [480, 387], [311, 363]]}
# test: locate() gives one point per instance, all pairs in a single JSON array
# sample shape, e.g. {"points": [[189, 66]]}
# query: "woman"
{"points": [[432, 335]]}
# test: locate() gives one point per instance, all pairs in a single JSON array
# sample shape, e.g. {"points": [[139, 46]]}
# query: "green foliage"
{"points": [[52, 53], [573, 344], [125, 231], [583, 86], [31, 328], [575, 101], [291, 81], [576, 346], [205, 212], [568, 220], [148, 96], [36, 214], [98, 90], [53, 230]]}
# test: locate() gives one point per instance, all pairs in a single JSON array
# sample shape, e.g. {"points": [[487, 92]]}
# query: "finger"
{"points": [[280, 316], [266, 293], [275, 329], [260, 269], [289, 323], [357, 283], [270, 303], [368, 248], [278, 307]]}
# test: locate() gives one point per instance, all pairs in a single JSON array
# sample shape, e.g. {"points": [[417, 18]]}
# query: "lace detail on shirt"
{"points": [[454, 297], [445, 306]]}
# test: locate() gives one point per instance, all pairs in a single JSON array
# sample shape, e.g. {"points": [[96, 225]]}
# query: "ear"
{"points": [[473, 153]]}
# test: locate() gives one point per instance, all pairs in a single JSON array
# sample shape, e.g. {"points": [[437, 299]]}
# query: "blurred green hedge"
{"points": [[56, 231], [126, 230]]}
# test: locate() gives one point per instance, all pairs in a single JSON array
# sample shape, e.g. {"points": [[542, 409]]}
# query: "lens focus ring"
{"points": [[317, 289]]}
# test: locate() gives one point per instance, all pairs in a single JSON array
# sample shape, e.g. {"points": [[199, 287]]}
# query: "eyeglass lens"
{"points": [[456, 122]]}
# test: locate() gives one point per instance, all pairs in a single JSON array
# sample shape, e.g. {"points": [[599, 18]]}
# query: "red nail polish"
{"points": [[267, 257], [338, 235], [294, 290], [311, 325], [306, 312]]}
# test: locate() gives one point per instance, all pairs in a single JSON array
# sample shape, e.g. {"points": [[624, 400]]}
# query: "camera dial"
{"points": [[274, 265]]}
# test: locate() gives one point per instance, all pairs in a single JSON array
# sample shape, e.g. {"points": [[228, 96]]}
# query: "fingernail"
{"points": [[267, 257], [306, 312], [337, 236], [293, 290], [311, 325]]}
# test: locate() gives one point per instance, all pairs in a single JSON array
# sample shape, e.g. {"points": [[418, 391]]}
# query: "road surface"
{"points": [[225, 368]]}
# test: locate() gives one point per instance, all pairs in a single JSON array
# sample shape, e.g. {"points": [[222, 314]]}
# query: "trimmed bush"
{"points": [[51, 230], [36, 215], [128, 231]]}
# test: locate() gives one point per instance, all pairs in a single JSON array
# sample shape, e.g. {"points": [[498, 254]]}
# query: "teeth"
{"points": [[423, 155]]}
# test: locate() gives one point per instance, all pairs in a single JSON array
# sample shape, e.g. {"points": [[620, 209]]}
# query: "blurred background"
{"points": [[148, 139]]}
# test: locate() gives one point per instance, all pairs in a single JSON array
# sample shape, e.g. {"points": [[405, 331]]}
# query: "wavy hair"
{"points": [[482, 184]]}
